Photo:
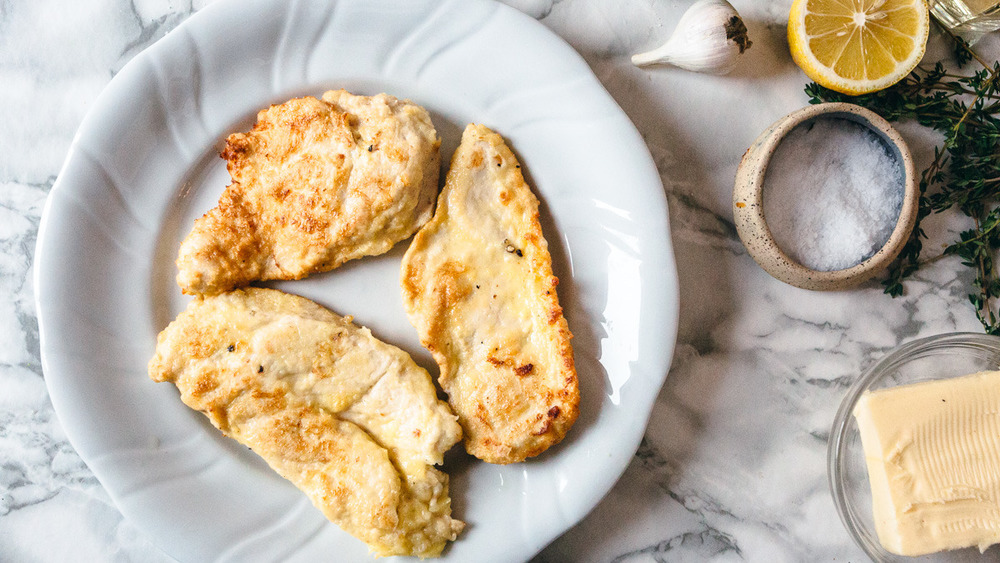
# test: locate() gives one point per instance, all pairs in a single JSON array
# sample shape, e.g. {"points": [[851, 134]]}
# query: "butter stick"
{"points": [[933, 456]]}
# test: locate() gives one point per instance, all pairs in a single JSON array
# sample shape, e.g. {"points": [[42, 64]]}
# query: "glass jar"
{"points": [[970, 19]]}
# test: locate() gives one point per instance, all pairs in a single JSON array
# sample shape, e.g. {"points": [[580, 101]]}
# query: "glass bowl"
{"points": [[936, 357]]}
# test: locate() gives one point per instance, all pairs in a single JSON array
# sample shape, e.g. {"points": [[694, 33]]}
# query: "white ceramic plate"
{"points": [[144, 165]]}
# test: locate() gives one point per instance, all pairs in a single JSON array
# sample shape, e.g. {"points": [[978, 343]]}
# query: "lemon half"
{"points": [[857, 46]]}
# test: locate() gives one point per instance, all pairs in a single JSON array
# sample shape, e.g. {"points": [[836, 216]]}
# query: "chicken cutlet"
{"points": [[478, 286], [352, 421], [315, 183]]}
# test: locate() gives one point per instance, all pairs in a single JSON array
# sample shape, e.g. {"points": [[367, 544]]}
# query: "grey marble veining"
{"points": [[733, 464], [55, 58]]}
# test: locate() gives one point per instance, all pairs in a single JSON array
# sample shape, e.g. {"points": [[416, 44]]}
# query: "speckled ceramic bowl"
{"points": [[748, 205]]}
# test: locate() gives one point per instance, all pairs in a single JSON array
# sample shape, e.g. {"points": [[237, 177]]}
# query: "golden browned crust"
{"points": [[478, 286], [351, 421], [315, 183]]}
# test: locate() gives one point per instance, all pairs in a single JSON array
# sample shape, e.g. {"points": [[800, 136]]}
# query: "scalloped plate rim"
{"points": [[641, 393]]}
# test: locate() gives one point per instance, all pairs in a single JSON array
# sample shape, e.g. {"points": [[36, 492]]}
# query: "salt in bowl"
{"points": [[748, 204]]}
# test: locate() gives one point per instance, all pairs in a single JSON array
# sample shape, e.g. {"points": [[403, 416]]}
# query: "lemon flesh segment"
{"points": [[857, 46]]}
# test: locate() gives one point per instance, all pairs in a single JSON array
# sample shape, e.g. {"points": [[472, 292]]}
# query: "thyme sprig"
{"points": [[965, 171]]}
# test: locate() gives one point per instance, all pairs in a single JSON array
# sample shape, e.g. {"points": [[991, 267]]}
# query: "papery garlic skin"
{"points": [[710, 37]]}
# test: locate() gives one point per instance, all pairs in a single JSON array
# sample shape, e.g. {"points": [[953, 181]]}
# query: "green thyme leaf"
{"points": [[964, 174]]}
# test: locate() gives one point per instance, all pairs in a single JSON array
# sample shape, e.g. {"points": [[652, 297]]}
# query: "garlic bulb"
{"points": [[710, 37]]}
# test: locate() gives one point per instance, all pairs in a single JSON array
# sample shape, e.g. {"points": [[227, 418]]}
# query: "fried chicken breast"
{"points": [[478, 286], [351, 421], [315, 183]]}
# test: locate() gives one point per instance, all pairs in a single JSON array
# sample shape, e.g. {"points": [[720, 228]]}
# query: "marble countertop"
{"points": [[733, 463]]}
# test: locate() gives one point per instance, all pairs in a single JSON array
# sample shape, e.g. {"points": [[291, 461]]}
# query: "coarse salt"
{"points": [[832, 194]]}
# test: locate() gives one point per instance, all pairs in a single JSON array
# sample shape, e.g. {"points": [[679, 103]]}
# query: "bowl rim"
{"points": [[837, 444], [748, 208]]}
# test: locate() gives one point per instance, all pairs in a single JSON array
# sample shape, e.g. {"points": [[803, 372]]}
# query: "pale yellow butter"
{"points": [[933, 456]]}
